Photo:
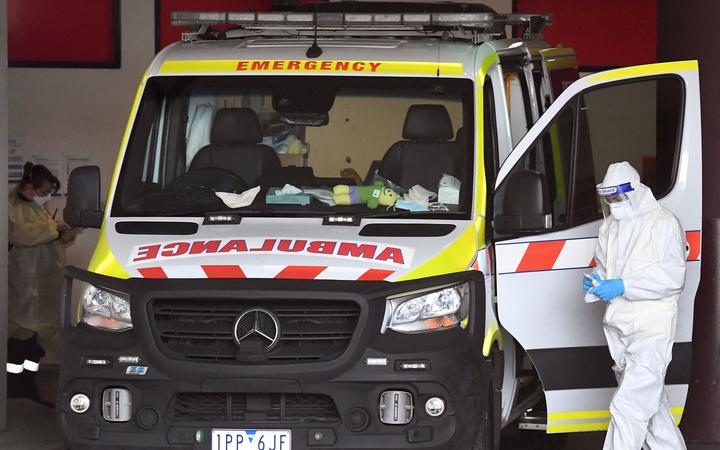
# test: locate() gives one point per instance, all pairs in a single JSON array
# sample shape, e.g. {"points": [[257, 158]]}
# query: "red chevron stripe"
{"points": [[301, 272], [694, 239], [152, 272], [375, 275], [540, 256], [223, 271]]}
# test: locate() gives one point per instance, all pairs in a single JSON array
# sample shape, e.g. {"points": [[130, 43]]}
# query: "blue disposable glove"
{"points": [[609, 289], [587, 284]]}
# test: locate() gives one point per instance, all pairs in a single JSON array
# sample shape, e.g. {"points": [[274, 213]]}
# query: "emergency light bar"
{"points": [[467, 23]]}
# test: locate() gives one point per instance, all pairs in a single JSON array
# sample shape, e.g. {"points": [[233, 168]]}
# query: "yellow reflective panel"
{"points": [[647, 69], [485, 66], [479, 150], [455, 257], [126, 136], [450, 69], [579, 415], [557, 52], [577, 427], [481, 191], [559, 58], [493, 335], [597, 420], [312, 66], [103, 261]]}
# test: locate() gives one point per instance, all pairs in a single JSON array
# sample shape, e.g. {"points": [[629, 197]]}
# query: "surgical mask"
{"points": [[409, 205], [42, 200], [621, 210]]}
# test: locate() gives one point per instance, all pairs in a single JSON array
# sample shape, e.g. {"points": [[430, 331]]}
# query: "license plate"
{"points": [[251, 439]]}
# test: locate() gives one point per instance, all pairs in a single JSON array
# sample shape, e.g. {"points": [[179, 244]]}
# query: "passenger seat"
{"points": [[234, 145], [427, 151]]}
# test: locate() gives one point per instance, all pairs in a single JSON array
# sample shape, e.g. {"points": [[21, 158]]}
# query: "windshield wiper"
{"points": [[204, 213], [402, 213]]}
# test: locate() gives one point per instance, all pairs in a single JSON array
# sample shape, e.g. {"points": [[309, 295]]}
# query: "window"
{"points": [[635, 121], [534, 195], [543, 98], [490, 146], [638, 122], [196, 141], [518, 99]]}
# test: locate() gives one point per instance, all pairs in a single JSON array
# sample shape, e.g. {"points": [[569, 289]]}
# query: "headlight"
{"points": [[428, 310], [104, 309]]}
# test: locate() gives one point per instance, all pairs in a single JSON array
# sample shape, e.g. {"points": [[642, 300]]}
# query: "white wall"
{"points": [[83, 111]]}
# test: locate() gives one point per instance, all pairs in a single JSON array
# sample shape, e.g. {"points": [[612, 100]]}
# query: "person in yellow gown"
{"points": [[35, 275]]}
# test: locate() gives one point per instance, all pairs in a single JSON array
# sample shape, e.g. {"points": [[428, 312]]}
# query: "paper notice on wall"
{"points": [[54, 163], [16, 158]]}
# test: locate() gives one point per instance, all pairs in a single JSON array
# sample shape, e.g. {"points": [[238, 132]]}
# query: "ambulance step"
{"points": [[533, 420], [528, 398]]}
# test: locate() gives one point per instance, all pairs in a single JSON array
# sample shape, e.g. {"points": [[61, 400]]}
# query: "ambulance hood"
{"points": [[296, 248]]}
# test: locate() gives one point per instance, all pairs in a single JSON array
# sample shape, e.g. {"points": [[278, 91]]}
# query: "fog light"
{"points": [[396, 407], [79, 403], [435, 407], [116, 405]]}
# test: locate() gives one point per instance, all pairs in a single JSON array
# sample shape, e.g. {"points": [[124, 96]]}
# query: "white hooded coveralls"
{"points": [[648, 252]]}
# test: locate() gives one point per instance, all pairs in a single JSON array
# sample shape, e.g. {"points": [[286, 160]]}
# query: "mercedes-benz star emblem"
{"points": [[260, 324]]}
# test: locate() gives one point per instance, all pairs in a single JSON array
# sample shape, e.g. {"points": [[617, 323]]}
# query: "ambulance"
{"points": [[339, 228]]}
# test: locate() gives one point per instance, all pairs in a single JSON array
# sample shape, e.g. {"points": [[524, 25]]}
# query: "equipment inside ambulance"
{"points": [[373, 246]]}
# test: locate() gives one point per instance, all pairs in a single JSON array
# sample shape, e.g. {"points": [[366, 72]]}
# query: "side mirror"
{"points": [[82, 209], [525, 205]]}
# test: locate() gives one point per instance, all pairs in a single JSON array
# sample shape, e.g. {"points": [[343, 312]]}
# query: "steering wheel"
{"points": [[198, 186]]}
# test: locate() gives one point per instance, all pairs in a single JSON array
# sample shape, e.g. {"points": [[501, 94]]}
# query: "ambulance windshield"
{"points": [[300, 146]]}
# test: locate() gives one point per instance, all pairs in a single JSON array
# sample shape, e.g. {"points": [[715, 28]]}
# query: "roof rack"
{"points": [[476, 27]]}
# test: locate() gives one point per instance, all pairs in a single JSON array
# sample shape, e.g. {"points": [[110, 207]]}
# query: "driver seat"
{"points": [[426, 152], [235, 145]]}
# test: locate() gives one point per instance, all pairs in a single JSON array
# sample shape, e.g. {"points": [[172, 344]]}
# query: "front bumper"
{"points": [[176, 401]]}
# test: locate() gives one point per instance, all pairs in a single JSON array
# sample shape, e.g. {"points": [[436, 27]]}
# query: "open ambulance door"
{"points": [[560, 70], [546, 220]]}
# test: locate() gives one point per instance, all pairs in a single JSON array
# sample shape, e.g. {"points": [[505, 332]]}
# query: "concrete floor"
{"points": [[31, 426]]}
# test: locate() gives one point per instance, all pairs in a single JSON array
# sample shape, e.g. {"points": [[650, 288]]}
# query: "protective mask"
{"points": [[42, 200], [409, 205], [621, 210]]}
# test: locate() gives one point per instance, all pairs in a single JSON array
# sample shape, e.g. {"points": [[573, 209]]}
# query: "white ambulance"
{"points": [[355, 230]]}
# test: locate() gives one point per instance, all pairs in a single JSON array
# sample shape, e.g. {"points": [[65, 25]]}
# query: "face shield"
{"points": [[615, 201]]}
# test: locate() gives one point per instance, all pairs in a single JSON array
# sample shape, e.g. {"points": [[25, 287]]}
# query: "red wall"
{"points": [[604, 32], [67, 30]]}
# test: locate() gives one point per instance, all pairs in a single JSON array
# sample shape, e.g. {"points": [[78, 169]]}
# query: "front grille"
{"points": [[231, 407], [202, 330]]}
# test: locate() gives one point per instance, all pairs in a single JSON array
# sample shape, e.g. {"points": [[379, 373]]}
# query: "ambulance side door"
{"points": [[546, 220], [554, 70]]}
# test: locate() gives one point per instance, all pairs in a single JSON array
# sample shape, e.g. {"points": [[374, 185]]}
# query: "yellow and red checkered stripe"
{"points": [[279, 272], [540, 256]]}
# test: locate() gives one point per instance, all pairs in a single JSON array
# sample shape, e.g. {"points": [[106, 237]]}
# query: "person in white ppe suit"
{"points": [[35, 264], [640, 273]]}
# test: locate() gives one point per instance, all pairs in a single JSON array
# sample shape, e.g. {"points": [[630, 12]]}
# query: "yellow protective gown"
{"points": [[35, 268]]}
